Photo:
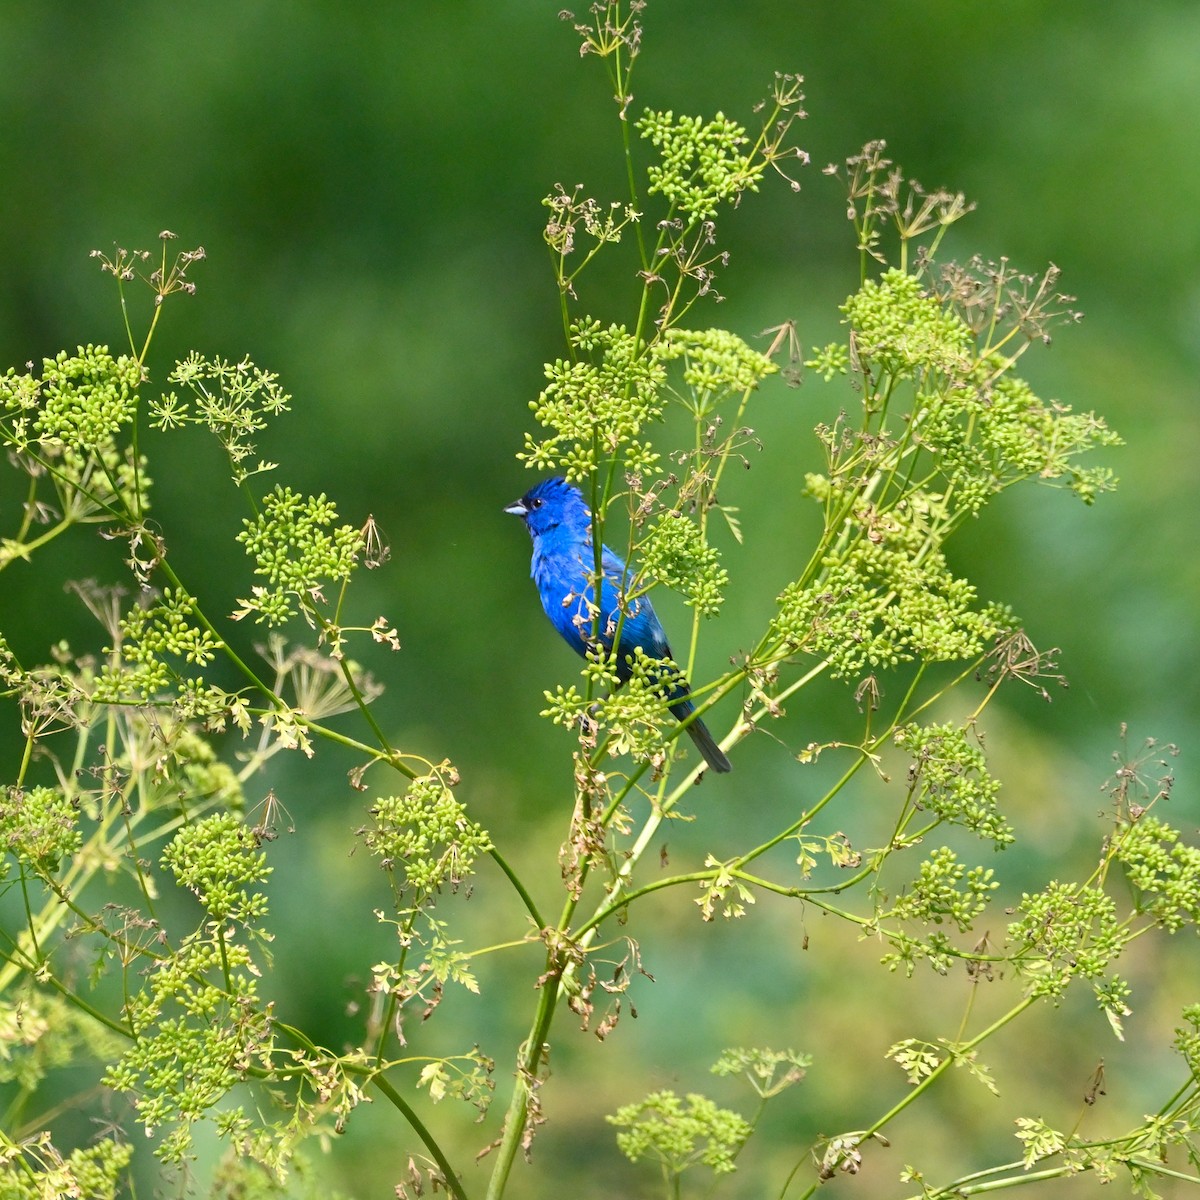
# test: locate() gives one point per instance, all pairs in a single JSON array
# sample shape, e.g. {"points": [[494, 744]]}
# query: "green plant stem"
{"points": [[22, 549], [1157, 1168], [405, 939], [365, 709], [996, 1185], [925, 1084], [529, 1062], [453, 1183], [981, 1182], [518, 886], [947, 1062]]}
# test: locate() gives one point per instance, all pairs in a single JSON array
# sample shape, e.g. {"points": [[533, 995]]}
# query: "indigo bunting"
{"points": [[560, 524]]}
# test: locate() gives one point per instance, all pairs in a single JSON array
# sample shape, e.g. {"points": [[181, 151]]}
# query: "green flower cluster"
{"points": [[993, 431], [565, 706], [148, 634], [65, 426], [296, 550], [632, 713], [597, 404], [829, 360], [20, 398], [932, 946], [177, 1075], [680, 1132], [199, 1023], [675, 553], [903, 331], [948, 776], [234, 400], [1164, 870], [188, 979], [715, 362], [945, 891], [883, 601], [219, 859], [87, 397], [39, 827], [1063, 932], [425, 836], [34, 1170], [767, 1071], [1187, 1038], [195, 766], [701, 163], [571, 210]]}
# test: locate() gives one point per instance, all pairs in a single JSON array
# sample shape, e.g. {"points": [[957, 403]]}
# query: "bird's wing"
{"points": [[563, 577], [636, 620]]}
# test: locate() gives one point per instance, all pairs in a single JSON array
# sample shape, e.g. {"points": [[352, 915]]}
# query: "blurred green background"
{"points": [[366, 180]]}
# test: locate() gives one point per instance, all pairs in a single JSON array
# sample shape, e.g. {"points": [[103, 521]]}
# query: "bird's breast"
{"points": [[565, 593]]}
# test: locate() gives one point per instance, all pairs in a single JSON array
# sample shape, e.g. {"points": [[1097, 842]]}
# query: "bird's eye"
{"points": [[536, 502]]}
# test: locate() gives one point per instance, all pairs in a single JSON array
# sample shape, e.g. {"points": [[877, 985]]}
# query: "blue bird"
{"points": [[560, 524]]}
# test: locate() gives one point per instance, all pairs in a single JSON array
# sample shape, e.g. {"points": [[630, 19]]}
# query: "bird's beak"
{"points": [[517, 508]]}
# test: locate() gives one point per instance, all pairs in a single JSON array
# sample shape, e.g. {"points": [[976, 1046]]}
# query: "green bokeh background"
{"points": [[366, 180]]}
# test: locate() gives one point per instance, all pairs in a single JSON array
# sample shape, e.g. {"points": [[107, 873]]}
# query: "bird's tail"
{"points": [[698, 732]]}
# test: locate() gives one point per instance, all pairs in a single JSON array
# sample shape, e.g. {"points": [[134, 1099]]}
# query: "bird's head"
{"points": [[550, 504]]}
